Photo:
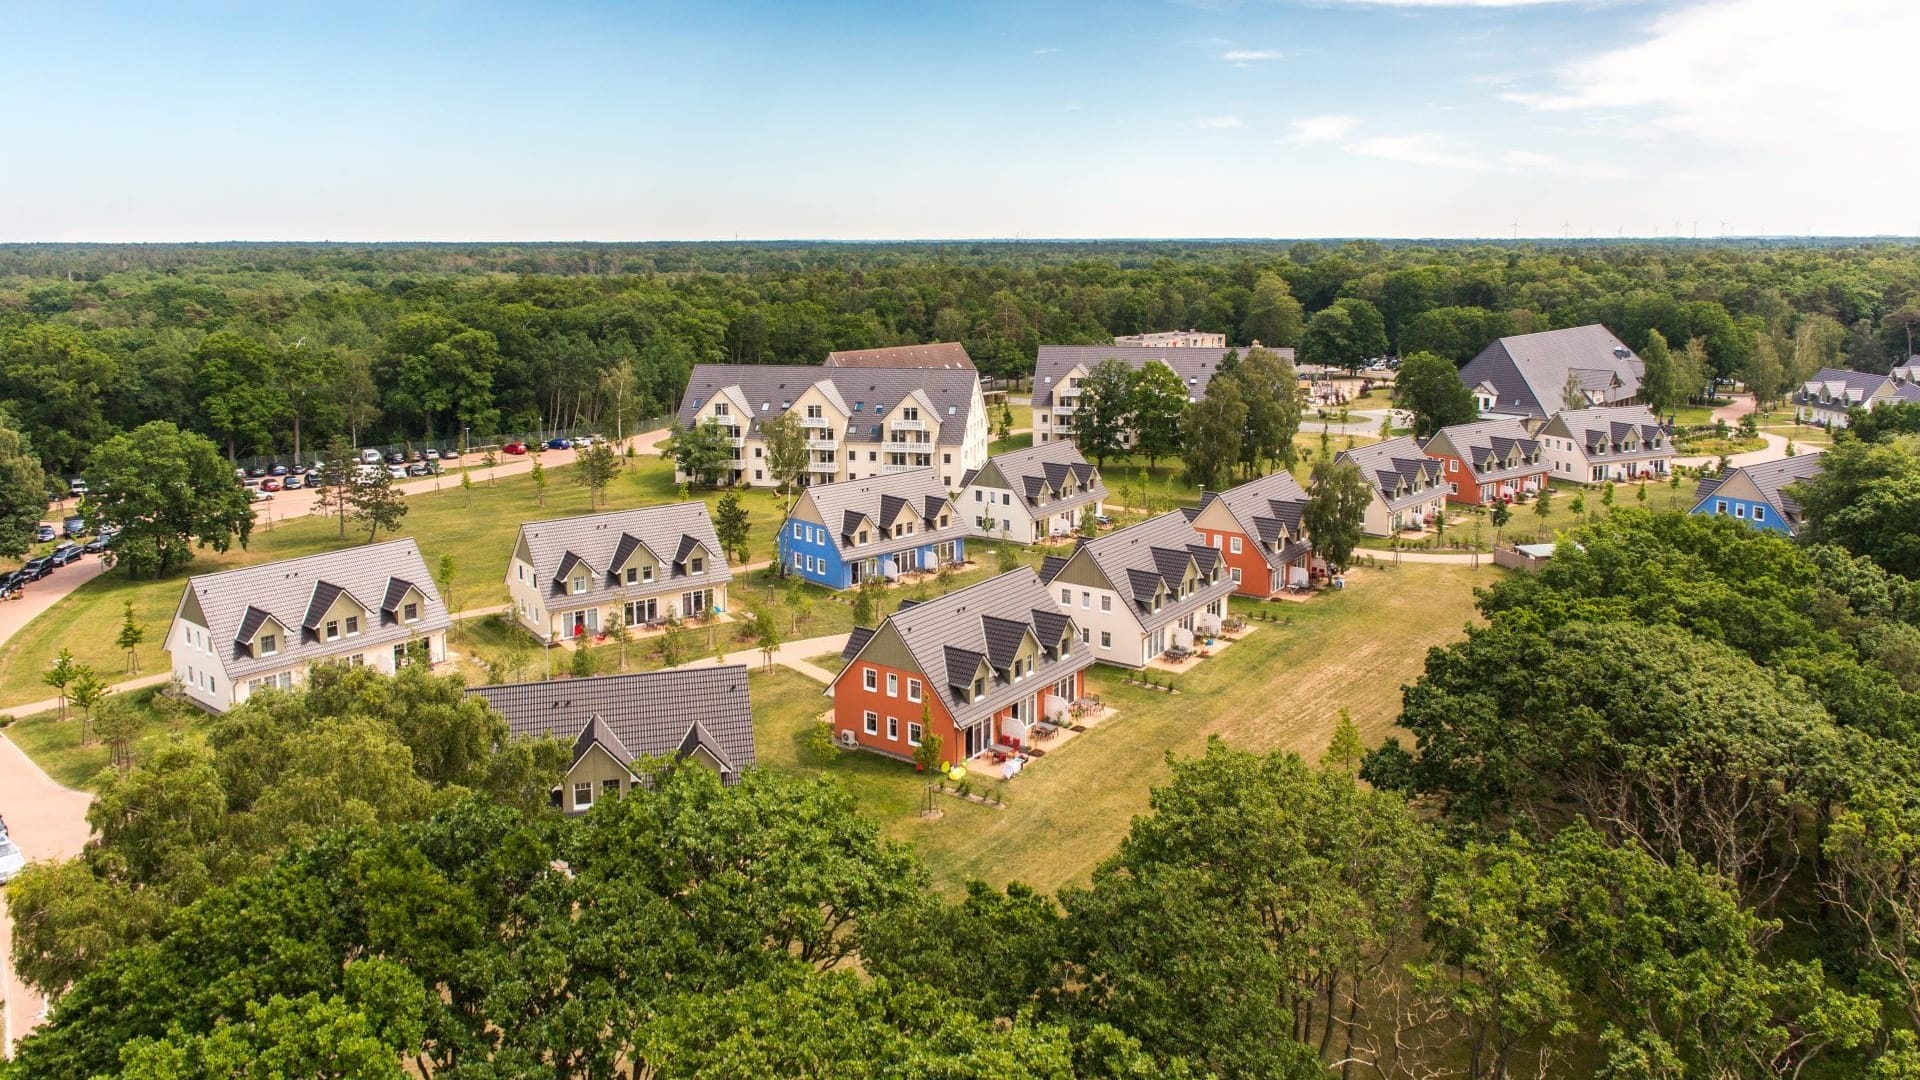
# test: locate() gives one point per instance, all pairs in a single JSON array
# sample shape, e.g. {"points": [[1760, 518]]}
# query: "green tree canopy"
{"points": [[168, 490]]}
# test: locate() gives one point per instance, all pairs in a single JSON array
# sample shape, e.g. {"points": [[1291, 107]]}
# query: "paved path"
{"points": [[1775, 449], [796, 655], [48, 591], [48, 822]]}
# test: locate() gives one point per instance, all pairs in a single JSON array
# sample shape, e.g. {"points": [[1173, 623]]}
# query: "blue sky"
{"points": [[465, 121]]}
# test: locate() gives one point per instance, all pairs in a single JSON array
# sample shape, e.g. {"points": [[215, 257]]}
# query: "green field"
{"points": [[1281, 687], [54, 743]]}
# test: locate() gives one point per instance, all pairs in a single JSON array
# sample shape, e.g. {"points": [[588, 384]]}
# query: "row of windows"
{"points": [[1739, 510], [1233, 542], [871, 724], [200, 680], [583, 792], [871, 678], [809, 563], [1086, 599], [282, 681]]}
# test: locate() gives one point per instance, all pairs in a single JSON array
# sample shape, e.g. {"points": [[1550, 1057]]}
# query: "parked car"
{"points": [[276, 469], [64, 554], [271, 483], [15, 580], [315, 479], [44, 533], [449, 455], [96, 545], [515, 448], [76, 487], [369, 456], [12, 861], [395, 457], [239, 473], [74, 526], [35, 569], [559, 444], [293, 482], [256, 472], [397, 471], [421, 468], [256, 495], [1102, 520]]}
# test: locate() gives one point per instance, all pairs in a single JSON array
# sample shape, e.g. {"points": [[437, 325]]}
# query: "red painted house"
{"points": [[1257, 529], [976, 667], [1488, 461]]}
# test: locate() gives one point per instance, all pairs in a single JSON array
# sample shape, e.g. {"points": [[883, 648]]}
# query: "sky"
{"points": [[420, 120]]}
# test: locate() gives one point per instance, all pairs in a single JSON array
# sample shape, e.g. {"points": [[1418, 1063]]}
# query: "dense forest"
{"points": [[270, 349]]}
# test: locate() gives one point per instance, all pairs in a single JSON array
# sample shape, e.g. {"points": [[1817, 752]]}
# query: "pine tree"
{"points": [[131, 635]]}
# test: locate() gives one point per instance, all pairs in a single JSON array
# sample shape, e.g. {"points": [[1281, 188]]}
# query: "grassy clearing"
{"points": [[1011, 443], [1279, 688], [1528, 526], [54, 744]]}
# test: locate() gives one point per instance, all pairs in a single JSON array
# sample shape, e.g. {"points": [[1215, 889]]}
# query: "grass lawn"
{"points": [[1011, 443], [54, 744], [1527, 526], [1281, 687], [1709, 446]]}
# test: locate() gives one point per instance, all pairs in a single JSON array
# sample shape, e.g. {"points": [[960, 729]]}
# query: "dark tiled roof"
{"points": [[1593, 428], [1383, 463], [1131, 559], [942, 354], [1267, 509], [949, 636], [1195, 366], [881, 499], [856, 641], [250, 624], [602, 541], [650, 713], [1845, 389], [1050, 566], [1474, 442], [396, 588], [287, 591], [1772, 478], [1528, 372], [948, 393], [322, 598], [598, 733]]}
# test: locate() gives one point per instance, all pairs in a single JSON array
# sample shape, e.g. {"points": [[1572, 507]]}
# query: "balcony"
{"points": [[829, 468], [904, 423], [1066, 408], [813, 421], [890, 467], [823, 444], [737, 442]]}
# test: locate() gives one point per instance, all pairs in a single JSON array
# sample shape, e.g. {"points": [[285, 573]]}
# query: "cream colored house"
{"points": [[860, 422], [1138, 591], [238, 632], [1060, 369], [570, 577], [1409, 488], [1031, 494], [1592, 446]]}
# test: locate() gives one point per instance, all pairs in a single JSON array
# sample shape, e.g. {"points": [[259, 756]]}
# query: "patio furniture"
{"points": [[1176, 654]]}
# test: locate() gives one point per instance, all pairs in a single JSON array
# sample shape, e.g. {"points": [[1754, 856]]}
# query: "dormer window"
{"points": [[979, 688], [410, 613], [353, 625], [696, 565], [719, 408], [861, 538], [269, 644], [633, 575], [332, 630], [578, 585]]}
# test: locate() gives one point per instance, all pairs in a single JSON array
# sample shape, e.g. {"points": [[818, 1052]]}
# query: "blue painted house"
{"points": [[838, 535], [1756, 494]]}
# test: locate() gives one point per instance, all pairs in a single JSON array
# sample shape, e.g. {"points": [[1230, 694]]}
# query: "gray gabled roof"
{"points": [[651, 714], [950, 635], [1386, 463], [601, 541], [1048, 462], [286, 591], [868, 394], [881, 499], [1473, 442], [940, 354], [1844, 389], [1267, 508], [599, 733], [1528, 372], [1593, 428], [1133, 559], [1772, 478], [1195, 366]]}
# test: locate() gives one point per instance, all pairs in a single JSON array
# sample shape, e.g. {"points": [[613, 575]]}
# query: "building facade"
{"points": [[1060, 369], [1173, 339], [839, 535], [1825, 398], [1759, 495], [1138, 591], [976, 667], [574, 577], [1489, 461], [238, 632], [1537, 375], [859, 422], [1257, 528], [1031, 494], [1593, 446], [1409, 491], [701, 715]]}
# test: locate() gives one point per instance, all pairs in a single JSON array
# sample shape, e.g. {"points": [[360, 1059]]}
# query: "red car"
{"points": [[514, 448], [271, 483]]}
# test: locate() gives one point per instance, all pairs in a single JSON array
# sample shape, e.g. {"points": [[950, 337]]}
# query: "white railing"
{"points": [[1067, 409], [823, 444], [738, 442], [830, 467], [892, 468], [909, 424], [813, 421]]}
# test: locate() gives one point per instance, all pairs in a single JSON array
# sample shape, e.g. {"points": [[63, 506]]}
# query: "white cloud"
{"points": [[1318, 129], [1420, 148], [1248, 56], [1533, 160], [1219, 123], [1045, 52], [1454, 3], [1756, 73]]}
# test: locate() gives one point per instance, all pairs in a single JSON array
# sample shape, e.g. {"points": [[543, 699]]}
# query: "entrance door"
{"points": [[977, 738], [576, 624]]}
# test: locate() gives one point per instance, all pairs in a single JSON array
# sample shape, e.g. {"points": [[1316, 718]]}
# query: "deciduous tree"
{"points": [[1159, 404], [1428, 386], [168, 490], [374, 503], [1337, 500]]}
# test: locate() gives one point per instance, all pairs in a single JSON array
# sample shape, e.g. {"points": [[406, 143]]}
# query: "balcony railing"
{"points": [[893, 468], [1066, 408], [823, 444], [828, 467], [737, 441], [907, 423], [813, 421]]}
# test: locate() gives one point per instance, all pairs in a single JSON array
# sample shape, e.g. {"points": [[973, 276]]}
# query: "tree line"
{"points": [[272, 349]]}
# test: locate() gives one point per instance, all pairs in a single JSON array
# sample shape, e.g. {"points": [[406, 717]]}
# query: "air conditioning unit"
{"points": [[847, 740]]}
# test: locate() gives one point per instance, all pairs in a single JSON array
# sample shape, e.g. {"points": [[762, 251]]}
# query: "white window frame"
{"points": [[870, 722], [1233, 545], [870, 679], [913, 690], [893, 685], [914, 733]]}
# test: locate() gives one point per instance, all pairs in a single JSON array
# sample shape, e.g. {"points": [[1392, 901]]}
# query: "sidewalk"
{"points": [[795, 655]]}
